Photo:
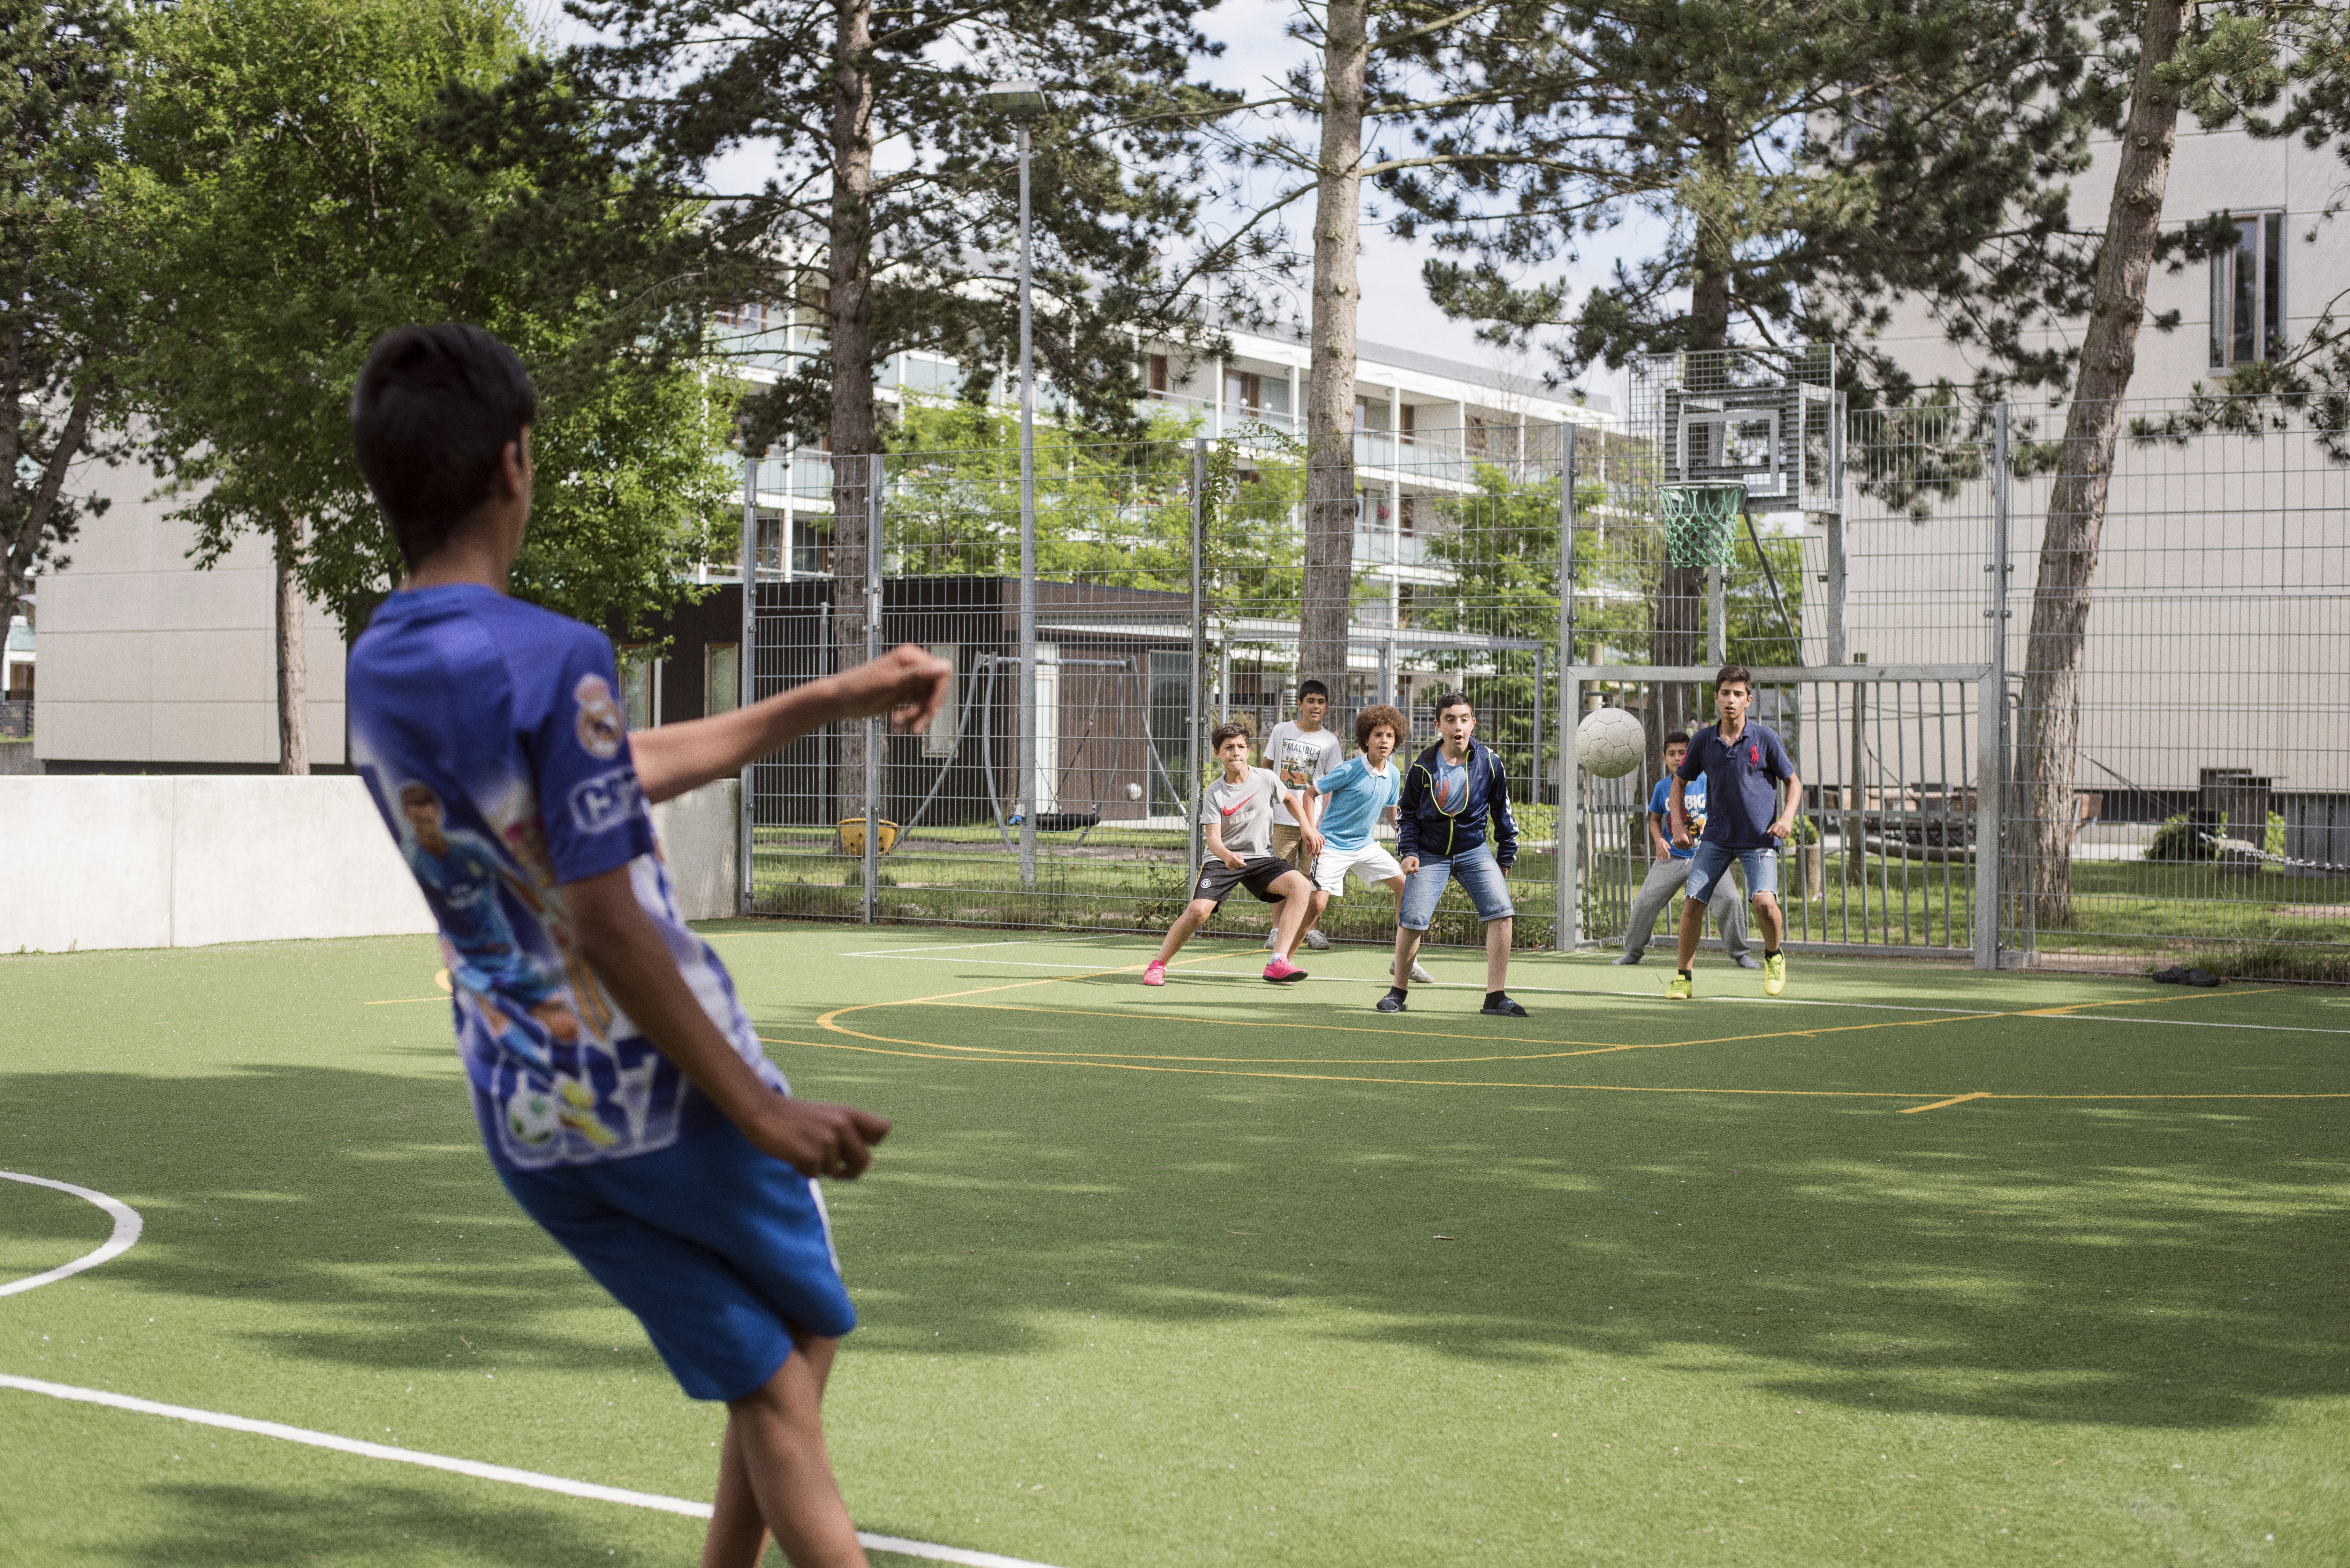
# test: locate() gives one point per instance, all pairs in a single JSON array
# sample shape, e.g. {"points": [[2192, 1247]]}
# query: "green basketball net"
{"points": [[1702, 523]]}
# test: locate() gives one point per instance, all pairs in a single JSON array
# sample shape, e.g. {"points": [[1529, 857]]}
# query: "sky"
{"points": [[1396, 309]]}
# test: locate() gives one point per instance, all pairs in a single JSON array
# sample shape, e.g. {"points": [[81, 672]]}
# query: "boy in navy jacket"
{"points": [[1449, 793]]}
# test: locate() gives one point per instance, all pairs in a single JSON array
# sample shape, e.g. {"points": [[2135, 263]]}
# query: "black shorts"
{"points": [[1218, 879]]}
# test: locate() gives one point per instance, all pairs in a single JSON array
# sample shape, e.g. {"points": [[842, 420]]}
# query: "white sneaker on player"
{"points": [[1317, 940], [1419, 975], [1271, 939]]}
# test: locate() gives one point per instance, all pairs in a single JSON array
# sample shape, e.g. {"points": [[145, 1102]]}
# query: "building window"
{"points": [[939, 739], [1243, 391], [1158, 375], [2248, 293], [1408, 411], [637, 682], [721, 676]]}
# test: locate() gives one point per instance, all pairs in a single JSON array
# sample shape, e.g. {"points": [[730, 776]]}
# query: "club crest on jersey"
{"points": [[599, 722]]}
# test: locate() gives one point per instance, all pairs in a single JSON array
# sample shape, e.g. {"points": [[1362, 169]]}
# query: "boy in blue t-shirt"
{"points": [[1669, 869], [1358, 795], [1745, 768], [621, 1091]]}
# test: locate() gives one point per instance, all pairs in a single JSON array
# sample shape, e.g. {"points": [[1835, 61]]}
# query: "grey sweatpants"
{"points": [[1656, 890]]}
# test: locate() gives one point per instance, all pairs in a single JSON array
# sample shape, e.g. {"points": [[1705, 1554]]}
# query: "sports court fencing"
{"points": [[1887, 611]]}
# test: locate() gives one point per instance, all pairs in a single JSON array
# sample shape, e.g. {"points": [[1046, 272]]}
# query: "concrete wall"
{"points": [[114, 861], [698, 835], [161, 861]]}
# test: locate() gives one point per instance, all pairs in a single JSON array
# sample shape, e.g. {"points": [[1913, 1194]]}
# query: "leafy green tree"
{"points": [[62, 79], [310, 173]]}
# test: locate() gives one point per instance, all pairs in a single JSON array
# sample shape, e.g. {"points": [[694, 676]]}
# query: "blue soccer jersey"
{"points": [[1358, 795], [488, 732]]}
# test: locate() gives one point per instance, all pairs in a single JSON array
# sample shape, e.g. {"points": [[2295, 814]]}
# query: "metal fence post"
{"points": [[1199, 658], [1567, 870], [746, 666], [874, 729], [1990, 718]]}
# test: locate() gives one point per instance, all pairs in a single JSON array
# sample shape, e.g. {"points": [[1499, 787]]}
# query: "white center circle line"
{"points": [[127, 1226]]}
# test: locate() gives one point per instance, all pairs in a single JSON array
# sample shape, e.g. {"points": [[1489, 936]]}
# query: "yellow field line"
{"points": [[1938, 1104]]}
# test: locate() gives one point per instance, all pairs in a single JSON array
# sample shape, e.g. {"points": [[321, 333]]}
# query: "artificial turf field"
{"points": [[1227, 1273]]}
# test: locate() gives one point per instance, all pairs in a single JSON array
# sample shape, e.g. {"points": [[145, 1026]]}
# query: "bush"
{"points": [[2177, 839]]}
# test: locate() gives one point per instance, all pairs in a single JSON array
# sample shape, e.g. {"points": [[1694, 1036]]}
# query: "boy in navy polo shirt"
{"points": [[621, 1087], [1743, 765]]}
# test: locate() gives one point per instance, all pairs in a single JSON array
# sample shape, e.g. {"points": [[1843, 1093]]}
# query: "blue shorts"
{"points": [[1707, 865], [1480, 876], [719, 1250]]}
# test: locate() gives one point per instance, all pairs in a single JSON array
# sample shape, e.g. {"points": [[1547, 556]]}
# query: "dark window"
{"points": [[2248, 293]]}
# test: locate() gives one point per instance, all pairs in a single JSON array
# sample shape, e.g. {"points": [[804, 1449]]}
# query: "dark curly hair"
{"points": [[1378, 716]]}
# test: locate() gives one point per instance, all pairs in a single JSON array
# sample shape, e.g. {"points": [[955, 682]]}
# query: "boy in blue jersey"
{"points": [[1669, 869], [621, 1091], [1745, 766], [1358, 794], [1449, 791]]}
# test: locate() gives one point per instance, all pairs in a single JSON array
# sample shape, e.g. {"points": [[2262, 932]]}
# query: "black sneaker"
{"points": [[2174, 975], [1391, 1003], [1505, 1008], [2201, 976]]}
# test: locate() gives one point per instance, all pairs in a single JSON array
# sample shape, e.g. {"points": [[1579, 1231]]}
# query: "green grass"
{"points": [[1205, 1307]]}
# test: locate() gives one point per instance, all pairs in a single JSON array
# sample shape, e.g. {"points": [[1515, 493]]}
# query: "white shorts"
{"points": [[1371, 863]]}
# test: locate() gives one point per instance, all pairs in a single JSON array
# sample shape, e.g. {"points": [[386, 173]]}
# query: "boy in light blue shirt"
{"points": [[1358, 794]]}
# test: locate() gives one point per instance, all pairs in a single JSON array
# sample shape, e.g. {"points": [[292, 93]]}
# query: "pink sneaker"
{"points": [[1281, 971], [1155, 973]]}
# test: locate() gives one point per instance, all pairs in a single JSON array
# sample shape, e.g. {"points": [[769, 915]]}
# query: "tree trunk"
{"points": [[849, 324], [2047, 749], [293, 661], [1330, 502], [1675, 611]]}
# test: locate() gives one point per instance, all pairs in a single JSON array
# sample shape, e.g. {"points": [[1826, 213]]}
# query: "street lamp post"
{"points": [[1022, 102]]}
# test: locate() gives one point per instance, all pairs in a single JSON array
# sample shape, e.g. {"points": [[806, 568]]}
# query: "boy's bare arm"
{"points": [[1663, 851], [1215, 835], [634, 963], [1785, 826], [908, 683], [1678, 815]]}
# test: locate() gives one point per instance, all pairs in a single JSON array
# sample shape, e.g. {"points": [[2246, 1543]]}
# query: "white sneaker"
{"points": [[1317, 942], [1419, 975], [1270, 938]]}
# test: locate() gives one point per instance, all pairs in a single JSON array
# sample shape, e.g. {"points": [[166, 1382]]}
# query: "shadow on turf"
{"points": [[2141, 1268], [239, 1525]]}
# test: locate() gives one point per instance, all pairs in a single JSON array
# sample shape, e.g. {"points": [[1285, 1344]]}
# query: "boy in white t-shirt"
{"points": [[1356, 796], [1236, 811], [1299, 753]]}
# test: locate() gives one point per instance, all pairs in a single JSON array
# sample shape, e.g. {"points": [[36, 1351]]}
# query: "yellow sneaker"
{"points": [[1774, 973], [1681, 988]]}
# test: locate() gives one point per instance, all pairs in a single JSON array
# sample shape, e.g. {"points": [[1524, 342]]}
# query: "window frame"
{"points": [[2226, 297]]}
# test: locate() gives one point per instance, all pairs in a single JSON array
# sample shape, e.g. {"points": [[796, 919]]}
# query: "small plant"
{"points": [[2178, 838]]}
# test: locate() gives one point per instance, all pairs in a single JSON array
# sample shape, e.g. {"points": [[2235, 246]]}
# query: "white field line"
{"points": [[474, 1468], [127, 1226]]}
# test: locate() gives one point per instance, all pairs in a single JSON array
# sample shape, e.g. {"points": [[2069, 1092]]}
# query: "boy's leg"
{"points": [[1692, 927], [1656, 890], [1195, 915], [1297, 903], [1406, 948], [1730, 919], [1422, 889], [1316, 901], [1497, 953], [775, 1453], [1766, 915]]}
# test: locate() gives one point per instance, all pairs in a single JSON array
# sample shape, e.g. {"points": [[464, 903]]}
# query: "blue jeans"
{"points": [[1481, 877], [1706, 867]]}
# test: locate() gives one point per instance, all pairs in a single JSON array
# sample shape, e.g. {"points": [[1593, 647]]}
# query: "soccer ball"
{"points": [[1134, 792], [1610, 743]]}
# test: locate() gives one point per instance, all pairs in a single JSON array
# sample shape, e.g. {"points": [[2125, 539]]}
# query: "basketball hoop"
{"points": [[1702, 523]]}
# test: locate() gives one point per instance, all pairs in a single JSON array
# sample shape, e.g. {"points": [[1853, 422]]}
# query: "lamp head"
{"points": [[1014, 100]]}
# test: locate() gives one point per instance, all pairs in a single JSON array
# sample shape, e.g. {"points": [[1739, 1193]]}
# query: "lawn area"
{"points": [[1912, 1265]]}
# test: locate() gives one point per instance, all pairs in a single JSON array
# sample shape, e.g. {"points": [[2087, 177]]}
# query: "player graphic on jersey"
{"points": [[461, 874]]}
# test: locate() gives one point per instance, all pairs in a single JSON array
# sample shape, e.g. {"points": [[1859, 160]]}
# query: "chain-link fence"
{"points": [[1882, 583]]}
